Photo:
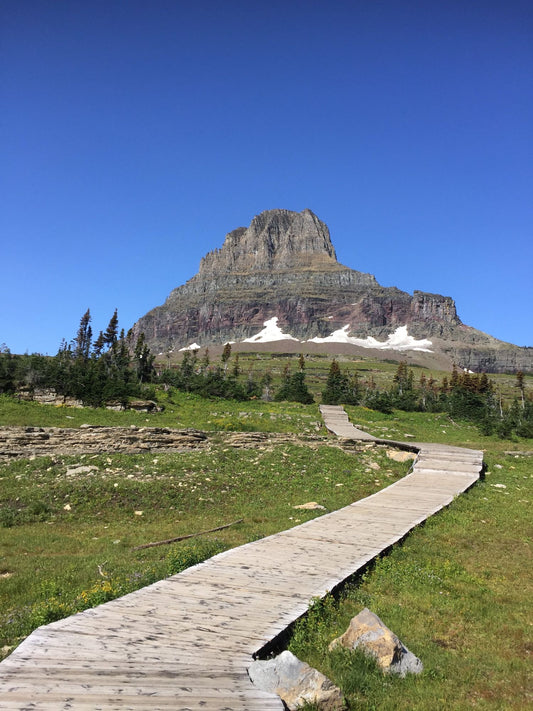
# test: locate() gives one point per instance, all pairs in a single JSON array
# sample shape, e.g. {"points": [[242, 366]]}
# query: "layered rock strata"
{"points": [[284, 265], [91, 439]]}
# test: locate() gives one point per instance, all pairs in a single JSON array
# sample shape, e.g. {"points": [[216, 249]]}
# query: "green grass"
{"points": [[58, 528], [431, 427], [457, 592], [181, 410]]}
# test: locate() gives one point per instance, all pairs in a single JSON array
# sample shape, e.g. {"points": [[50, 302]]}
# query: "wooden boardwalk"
{"points": [[185, 643]]}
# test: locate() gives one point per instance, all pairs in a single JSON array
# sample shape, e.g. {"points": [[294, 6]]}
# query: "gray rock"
{"points": [[295, 682], [368, 632], [81, 469]]}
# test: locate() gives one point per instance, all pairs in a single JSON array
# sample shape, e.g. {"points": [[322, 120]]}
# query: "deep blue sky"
{"points": [[135, 135]]}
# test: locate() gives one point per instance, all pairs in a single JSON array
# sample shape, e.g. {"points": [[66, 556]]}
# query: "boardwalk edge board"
{"points": [[186, 642]]}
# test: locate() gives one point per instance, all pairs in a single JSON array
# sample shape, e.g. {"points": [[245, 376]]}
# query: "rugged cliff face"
{"points": [[284, 265]]}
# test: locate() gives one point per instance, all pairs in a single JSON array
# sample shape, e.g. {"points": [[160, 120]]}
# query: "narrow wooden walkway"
{"points": [[185, 643]]}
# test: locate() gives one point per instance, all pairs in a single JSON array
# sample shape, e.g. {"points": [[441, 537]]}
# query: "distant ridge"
{"points": [[284, 267]]}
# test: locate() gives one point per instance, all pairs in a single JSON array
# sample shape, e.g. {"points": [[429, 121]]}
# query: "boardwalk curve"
{"points": [[185, 643]]}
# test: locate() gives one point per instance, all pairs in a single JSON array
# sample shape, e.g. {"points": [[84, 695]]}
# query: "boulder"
{"points": [[144, 406], [369, 633], [296, 683], [399, 455]]}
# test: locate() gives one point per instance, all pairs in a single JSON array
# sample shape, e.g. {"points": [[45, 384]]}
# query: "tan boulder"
{"points": [[399, 455], [367, 631]]}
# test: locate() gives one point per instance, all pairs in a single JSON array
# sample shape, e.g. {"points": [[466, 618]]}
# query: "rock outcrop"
{"points": [[284, 265], [92, 439]]}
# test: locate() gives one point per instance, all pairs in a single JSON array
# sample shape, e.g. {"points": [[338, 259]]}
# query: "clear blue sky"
{"points": [[135, 135]]}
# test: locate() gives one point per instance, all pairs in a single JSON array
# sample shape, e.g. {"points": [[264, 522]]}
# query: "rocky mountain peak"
{"points": [[282, 271], [276, 240]]}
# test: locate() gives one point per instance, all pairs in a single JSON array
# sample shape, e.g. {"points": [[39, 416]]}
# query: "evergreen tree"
{"points": [[144, 360], [8, 368], [520, 385], [98, 345], [354, 386], [423, 388], [82, 344], [226, 355], [266, 383], [253, 388], [454, 380], [294, 388], [403, 379], [236, 371], [337, 388], [111, 332], [205, 361], [403, 394], [187, 372]]}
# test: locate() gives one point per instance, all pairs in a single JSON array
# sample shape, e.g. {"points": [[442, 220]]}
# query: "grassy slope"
{"points": [[58, 527], [457, 591], [181, 410]]}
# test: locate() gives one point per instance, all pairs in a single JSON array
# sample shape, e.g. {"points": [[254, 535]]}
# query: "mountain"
{"points": [[279, 280]]}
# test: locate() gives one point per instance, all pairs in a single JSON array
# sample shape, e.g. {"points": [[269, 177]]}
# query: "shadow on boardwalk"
{"points": [[185, 642]]}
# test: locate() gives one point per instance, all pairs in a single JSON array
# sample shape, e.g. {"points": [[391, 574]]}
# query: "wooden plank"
{"points": [[89, 702]]}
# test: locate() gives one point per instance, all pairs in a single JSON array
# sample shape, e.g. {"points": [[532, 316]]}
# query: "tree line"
{"points": [[225, 379], [116, 366], [464, 395], [111, 368]]}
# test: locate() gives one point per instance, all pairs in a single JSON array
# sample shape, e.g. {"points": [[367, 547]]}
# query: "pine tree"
{"points": [[236, 371], [205, 361], [8, 367], [423, 387], [294, 388], [82, 344], [226, 355], [187, 375], [98, 345], [144, 360], [336, 390], [520, 385], [110, 334], [402, 394], [454, 380], [403, 379], [253, 388], [266, 382], [485, 384], [355, 388]]}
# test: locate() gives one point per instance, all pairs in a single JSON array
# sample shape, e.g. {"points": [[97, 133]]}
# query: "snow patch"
{"points": [[271, 332], [400, 340]]}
